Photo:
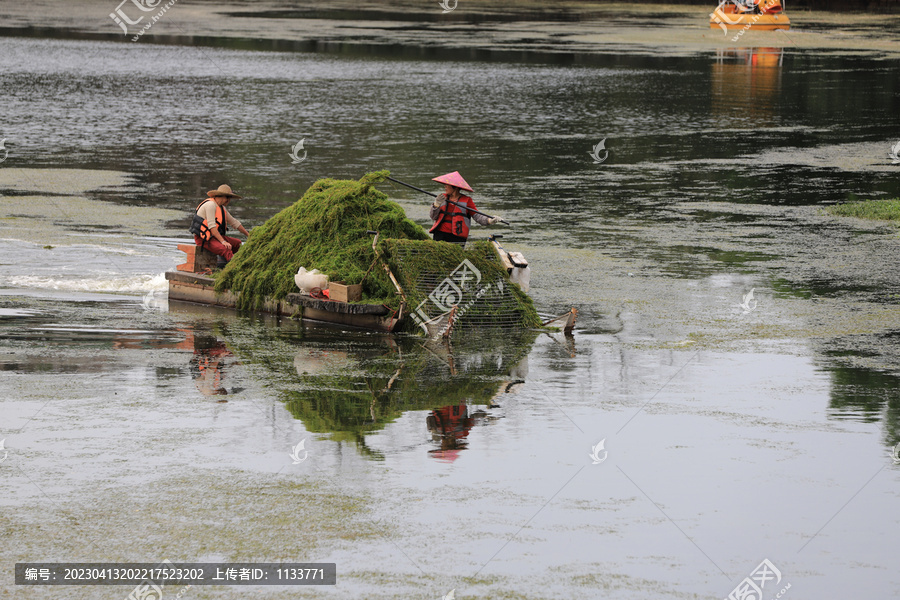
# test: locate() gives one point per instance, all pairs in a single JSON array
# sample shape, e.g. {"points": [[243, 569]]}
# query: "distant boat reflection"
{"points": [[746, 84]]}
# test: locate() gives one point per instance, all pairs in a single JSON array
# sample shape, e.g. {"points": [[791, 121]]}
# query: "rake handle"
{"points": [[478, 212]]}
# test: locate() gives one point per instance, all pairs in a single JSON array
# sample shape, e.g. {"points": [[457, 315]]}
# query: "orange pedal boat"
{"points": [[744, 14]]}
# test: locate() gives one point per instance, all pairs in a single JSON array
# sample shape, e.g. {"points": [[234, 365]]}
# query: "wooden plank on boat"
{"points": [[518, 259], [334, 306], [193, 287], [198, 259], [362, 321], [501, 253], [185, 277]]}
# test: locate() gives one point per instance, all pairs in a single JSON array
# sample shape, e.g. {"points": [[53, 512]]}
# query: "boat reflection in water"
{"points": [[208, 363], [746, 85], [449, 427], [356, 387]]}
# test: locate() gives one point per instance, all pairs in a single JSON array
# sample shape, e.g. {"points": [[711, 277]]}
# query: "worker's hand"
{"points": [[439, 200], [227, 245], [495, 220]]}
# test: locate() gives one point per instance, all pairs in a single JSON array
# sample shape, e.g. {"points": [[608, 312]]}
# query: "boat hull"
{"points": [[732, 19], [199, 289]]}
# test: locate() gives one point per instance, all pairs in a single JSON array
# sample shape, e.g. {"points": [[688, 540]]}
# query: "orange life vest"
{"points": [[454, 219], [204, 230]]}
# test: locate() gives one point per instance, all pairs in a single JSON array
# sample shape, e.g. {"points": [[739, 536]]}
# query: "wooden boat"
{"points": [[199, 289], [744, 14], [191, 282]]}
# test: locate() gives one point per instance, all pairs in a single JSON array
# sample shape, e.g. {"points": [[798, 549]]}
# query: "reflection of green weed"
{"points": [[350, 403]]}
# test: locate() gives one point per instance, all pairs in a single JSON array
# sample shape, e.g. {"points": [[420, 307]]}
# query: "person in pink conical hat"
{"points": [[451, 221]]}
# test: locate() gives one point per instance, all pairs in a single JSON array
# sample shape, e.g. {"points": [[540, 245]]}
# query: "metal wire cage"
{"points": [[437, 276]]}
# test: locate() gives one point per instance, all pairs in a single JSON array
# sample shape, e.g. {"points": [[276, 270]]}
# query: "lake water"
{"points": [[141, 431]]}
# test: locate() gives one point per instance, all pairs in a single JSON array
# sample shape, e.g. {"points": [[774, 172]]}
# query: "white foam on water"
{"points": [[129, 284], [15, 312]]}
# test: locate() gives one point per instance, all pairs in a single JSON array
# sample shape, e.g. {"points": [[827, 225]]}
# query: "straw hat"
{"points": [[224, 190], [454, 179]]}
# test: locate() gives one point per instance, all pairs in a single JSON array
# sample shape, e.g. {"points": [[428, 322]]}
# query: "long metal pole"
{"points": [[478, 212]]}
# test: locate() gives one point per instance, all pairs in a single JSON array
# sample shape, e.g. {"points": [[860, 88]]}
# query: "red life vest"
{"points": [[454, 219], [205, 230]]}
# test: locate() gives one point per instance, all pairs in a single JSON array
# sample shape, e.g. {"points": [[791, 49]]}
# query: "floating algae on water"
{"points": [[327, 229]]}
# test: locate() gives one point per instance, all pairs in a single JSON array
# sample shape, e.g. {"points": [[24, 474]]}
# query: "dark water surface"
{"points": [[733, 435]]}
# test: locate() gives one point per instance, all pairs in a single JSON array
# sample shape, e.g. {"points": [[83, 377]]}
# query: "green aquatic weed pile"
{"points": [[327, 229], [487, 299], [883, 210], [324, 230]]}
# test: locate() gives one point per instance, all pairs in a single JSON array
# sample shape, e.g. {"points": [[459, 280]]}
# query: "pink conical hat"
{"points": [[454, 179]]}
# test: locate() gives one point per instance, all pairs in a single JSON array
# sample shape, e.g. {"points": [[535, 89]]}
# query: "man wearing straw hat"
{"points": [[212, 221]]}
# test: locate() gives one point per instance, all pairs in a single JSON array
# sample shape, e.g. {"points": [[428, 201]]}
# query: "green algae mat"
{"points": [[882, 210], [328, 229]]}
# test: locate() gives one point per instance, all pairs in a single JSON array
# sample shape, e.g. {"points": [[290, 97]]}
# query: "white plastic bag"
{"points": [[522, 276], [307, 280]]}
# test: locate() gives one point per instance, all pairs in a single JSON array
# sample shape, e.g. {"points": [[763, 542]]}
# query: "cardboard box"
{"points": [[338, 290]]}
